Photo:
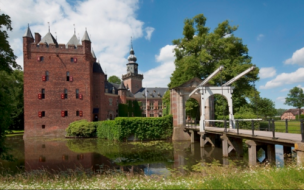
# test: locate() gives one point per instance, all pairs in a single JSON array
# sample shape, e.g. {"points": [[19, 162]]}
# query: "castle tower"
{"points": [[132, 79], [27, 40], [122, 92]]}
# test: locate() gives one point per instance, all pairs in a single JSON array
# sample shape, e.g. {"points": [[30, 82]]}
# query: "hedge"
{"points": [[301, 117], [142, 127], [82, 128]]}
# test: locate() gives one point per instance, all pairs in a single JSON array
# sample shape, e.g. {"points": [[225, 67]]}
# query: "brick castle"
{"points": [[64, 83]]}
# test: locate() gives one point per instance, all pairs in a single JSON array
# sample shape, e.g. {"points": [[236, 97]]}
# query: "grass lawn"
{"points": [[293, 126], [205, 177]]}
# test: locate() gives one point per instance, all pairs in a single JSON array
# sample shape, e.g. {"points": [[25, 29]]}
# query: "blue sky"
{"points": [[272, 30]]}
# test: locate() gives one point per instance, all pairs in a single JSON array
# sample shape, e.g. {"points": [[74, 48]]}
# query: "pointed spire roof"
{"points": [[28, 32], [122, 86], [74, 41], [85, 36], [48, 39]]}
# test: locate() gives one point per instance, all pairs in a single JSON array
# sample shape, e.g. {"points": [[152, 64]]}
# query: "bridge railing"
{"points": [[272, 125]]}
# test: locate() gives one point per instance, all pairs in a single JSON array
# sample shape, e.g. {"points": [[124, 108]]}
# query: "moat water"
{"points": [[152, 157]]}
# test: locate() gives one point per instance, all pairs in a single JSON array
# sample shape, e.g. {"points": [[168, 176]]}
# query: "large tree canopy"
{"points": [[200, 52], [295, 98], [7, 57]]}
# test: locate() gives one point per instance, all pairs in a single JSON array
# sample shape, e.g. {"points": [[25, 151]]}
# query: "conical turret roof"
{"points": [[85, 36], [74, 41], [122, 86], [28, 32], [48, 39]]}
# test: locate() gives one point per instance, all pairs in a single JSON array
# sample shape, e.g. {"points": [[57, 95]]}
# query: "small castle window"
{"points": [[72, 59], [65, 93], [65, 113], [46, 75], [67, 76], [40, 58], [77, 113], [77, 93], [110, 101], [43, 126], [42, 93]]}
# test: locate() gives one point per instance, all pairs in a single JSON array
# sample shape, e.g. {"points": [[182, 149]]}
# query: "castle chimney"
{"points": [[37, 37]]}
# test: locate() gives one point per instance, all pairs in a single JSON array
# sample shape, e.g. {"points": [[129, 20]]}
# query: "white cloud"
{"points": [[281, 99], [299, 86], [297, 57], [260, 37], [267, 72], [160, 76], [284, 90], [110, 24], [285, 78], [149, 31]]}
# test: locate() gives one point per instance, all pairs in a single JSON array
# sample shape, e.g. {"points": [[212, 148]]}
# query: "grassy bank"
{"points": [[14, 133], [204, 177]]}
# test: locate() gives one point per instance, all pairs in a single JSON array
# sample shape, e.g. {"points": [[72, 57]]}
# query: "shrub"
{"points": [[301, 116], [82, 128], [141, 127]]}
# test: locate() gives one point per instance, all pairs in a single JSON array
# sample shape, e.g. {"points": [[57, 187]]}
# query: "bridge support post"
{"points": [[252, 157], [270, 154], [227, 146], [192, 136], [299, 147], [204, 140]]}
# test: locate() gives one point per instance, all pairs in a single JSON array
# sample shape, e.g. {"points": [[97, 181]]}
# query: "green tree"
{"points": [[166, 102], [7, 57], [295, 98], [263, 107], [200, 52], [114, 79], [280, 111], [193, 108]]}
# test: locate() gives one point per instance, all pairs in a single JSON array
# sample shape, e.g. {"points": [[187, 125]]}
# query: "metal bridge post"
{"points": [[273, 129], [286, 125], [302, 130], [225, 126], [237, 126], [252, 127]]}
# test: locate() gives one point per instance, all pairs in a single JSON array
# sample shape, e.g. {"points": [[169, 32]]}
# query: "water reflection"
{"points": [[154, 157]]}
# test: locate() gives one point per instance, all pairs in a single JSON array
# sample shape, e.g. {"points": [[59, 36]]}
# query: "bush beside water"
{"points": [[141, 127], [82, 128]]}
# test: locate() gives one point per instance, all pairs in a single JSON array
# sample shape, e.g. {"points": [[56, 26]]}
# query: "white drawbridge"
{"points": [[225, 90]]}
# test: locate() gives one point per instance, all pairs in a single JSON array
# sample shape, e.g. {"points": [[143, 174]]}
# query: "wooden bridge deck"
{"points": [[259, 136]]}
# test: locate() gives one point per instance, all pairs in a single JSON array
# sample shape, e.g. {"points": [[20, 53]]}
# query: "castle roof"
{"points": [[152, 92], [28, 32], [122, 86], [74, 41], [110, 87], [97, 68], [49, 39], [132, 58], [85, 36]]}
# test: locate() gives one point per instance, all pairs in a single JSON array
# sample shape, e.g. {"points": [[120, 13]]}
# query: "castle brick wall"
{"points": [[57, 62]]}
